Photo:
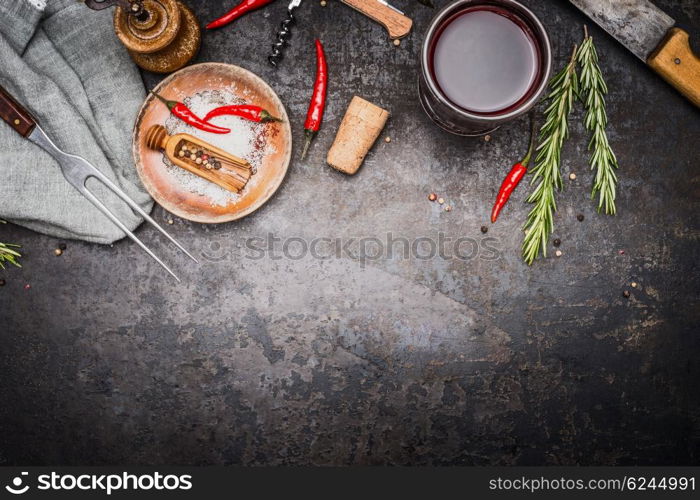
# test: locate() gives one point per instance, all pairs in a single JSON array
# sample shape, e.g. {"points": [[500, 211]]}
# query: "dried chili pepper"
{"points": [[314, 116], [247, 111], [514, 176], [236, 12], [187, 115]]}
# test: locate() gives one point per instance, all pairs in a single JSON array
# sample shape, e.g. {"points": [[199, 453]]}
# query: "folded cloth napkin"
{"points": [[63, 62]]}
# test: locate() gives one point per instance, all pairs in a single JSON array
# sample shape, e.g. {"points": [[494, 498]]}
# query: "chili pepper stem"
{"points": [[267, 117], [168, 103], [309, 135], [533, 137]]}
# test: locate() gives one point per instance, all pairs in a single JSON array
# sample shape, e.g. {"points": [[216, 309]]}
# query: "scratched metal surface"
{"points": [[105, 360]]}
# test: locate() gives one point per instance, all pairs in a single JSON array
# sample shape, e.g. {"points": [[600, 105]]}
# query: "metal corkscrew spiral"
{"points": [[283, 34]]}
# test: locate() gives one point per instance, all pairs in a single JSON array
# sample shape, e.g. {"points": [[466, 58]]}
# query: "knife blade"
{"points": [[637, 24], [649, 33]]}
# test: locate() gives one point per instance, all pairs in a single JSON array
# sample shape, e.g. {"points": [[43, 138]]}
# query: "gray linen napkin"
{"points": [[64, 63]]}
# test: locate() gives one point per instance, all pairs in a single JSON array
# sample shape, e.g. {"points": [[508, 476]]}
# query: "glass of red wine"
{"points": [[483, 63]]}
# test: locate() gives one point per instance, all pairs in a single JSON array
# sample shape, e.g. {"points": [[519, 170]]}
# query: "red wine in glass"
{"points": [[485, 60]]}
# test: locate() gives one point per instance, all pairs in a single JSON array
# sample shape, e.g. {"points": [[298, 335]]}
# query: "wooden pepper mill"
{"points": [[161, 35]]}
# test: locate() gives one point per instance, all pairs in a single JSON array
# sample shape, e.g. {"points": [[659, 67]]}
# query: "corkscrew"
{"points": [[283, 34]]}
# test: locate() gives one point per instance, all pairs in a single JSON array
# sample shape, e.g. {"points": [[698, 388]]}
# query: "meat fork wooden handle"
{"points": [[15, 114]]}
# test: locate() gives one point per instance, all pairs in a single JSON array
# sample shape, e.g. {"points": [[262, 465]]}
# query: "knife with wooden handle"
{"points": [[395, 22], [651, 35]]}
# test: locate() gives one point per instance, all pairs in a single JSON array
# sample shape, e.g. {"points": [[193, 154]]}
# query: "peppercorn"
{"points": [[556, 242], [217, 165], [432, 197], [487, 138], [205, 157], [387, 139], [441, 200], [484, 229], [57, 252], [397, 42], [2, 282], [572, 176], [448, 208], [193, 157], [580, 217], [200, 153], [181, 153], [171, 222], [558, 253], [198, 161], [626, 294], [633, 284], [62, 246]]}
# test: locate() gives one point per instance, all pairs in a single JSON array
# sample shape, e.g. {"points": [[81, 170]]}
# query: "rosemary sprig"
{"points": [[7, 254], [539, 225], [603, 160]]}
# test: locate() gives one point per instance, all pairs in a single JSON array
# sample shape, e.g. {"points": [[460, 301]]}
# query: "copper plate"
{"points": [[170, 187]]}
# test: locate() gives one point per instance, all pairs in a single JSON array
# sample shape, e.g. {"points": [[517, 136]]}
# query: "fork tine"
{"points": [[121, 226], [134, 206]]}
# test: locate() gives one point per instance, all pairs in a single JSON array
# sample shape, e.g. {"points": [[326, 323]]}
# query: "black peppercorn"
{"points": [[62, 246], [580, 217], [626, 294], [484, 229], [556, 242], [217, 165], [2, 282], [199, 153]]}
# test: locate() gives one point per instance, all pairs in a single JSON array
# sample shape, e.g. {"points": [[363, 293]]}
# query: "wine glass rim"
{"points": [[542, 39]]}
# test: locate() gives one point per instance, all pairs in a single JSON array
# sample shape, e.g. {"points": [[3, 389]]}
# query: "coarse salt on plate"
{"points": [[267, 146]]}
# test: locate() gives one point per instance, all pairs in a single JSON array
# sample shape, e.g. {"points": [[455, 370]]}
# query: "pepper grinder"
{"points": [[161, 35]]}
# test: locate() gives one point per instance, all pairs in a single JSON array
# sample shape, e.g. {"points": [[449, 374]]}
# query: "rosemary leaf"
{"points": [[7, 254], [602, 160], [539, 225]]}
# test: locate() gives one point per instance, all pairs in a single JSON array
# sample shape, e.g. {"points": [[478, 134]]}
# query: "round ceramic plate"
{"points": [[266, 146]]}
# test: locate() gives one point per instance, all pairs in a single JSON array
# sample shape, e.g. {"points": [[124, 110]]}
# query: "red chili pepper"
{"points": [[247, 111], [314, 116], [186, 115], [237, 11], [514, 176]]}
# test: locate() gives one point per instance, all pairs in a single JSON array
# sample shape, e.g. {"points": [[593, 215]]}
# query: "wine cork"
{"points": [[361, 125]]}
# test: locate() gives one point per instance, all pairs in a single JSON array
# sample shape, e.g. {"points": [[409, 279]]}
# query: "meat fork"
{"points": [[77, 171]]}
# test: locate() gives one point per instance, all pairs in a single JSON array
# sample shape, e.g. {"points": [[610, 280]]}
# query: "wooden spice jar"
{"points": [[163, 39], [201, 158]]}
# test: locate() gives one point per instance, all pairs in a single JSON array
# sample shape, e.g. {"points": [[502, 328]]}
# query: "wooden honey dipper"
{"points": [[201, 158]]}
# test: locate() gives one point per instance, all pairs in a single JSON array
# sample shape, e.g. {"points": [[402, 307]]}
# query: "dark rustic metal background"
{"points": [[106, 360]]}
